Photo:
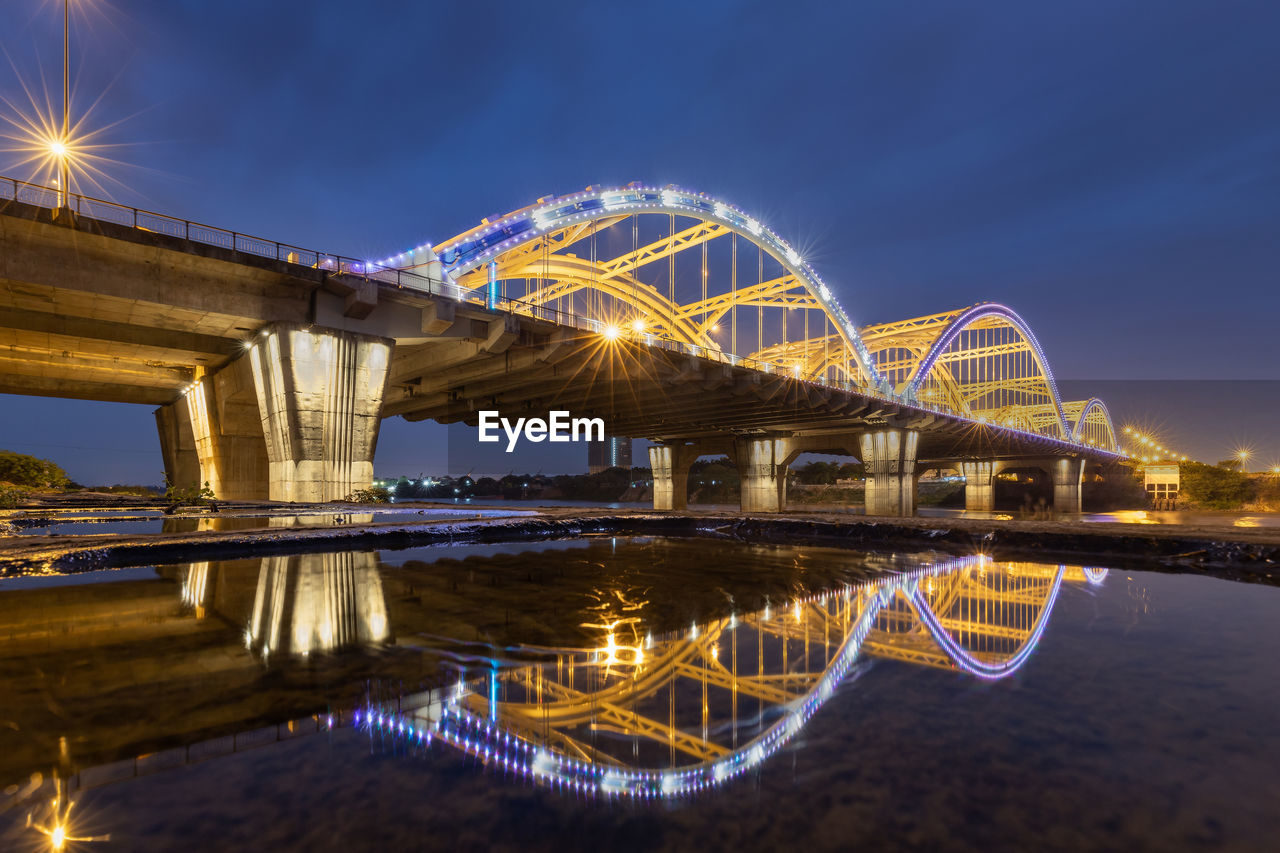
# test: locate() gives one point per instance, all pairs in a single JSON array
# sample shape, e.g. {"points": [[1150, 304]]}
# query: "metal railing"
{"points": [[100, 210], [51, 198]]}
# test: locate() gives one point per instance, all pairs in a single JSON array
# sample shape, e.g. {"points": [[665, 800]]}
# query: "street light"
{"points": [[58, 147], [1243, 456]]}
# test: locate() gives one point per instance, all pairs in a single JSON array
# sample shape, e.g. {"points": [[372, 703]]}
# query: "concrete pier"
{"points": [[670, 464], [762, 468], [889, 456], [293, 419]]}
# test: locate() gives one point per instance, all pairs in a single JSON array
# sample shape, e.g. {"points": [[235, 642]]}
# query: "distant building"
{"points": [[613, 452], [1162, 482]]}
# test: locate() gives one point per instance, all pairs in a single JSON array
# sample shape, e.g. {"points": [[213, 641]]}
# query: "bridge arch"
{"points": [[530, 243], [983, 361], [1094, 426]]}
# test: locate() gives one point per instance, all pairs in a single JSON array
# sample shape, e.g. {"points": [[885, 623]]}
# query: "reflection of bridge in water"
{"points": [[306, 602], [661, 716]]}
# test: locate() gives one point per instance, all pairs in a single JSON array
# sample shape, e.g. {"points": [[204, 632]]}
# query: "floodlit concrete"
{"points": [[889, 456], [670, 464], [320, 400], [763, 474], [979, 484], [295, 418], [1068, 475]]}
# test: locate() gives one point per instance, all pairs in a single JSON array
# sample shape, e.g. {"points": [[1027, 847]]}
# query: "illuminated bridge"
{"points": [[670, 315], [649, 717]]}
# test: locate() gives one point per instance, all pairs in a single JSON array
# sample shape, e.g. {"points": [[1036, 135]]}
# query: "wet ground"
{"points": [[142, 520], [1138, 713]]}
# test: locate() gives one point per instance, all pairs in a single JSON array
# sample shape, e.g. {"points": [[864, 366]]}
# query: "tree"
{"points": [[852, 471], [1214, 486], [30, 471], [818, 473]]}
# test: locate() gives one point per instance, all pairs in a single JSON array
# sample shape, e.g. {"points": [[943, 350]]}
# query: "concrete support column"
{"points": [[762, 469], [979, 485], [178, 445], [889, 456], [219, 436], [320, 399], [1068, 474], [670, 464]]}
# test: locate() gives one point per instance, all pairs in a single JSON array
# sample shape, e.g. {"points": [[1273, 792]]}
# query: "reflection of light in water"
{"points": [[194, 586], [580, 725], [57, 827], [308, 603], [1130, 516], [1247, 521]]}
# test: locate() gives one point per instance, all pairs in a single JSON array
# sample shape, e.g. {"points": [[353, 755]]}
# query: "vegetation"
{"points": [[373, 495], [1215, 486], [193, 495], [124, 489], [31, 471], [607, 485], [11, 496], [827, 473]]}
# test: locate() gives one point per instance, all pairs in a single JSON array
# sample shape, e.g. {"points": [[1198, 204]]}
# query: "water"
{"points": [[851, 700], [90, 522], [136, 521], [1134, 516], [1127, 516]]}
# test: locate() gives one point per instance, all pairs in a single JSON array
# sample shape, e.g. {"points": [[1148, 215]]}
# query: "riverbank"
{"points": [[1244, 553]]}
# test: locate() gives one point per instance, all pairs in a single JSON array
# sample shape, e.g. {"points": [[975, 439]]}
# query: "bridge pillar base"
{"points": [[762, 468], [213, 435], [889, 456], [1068, 475], [670, 464], [979, 485], [320, 400], [178, 445]]}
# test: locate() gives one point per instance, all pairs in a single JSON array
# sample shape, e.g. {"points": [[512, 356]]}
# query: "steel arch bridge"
{"points": [[647, 717], [676, 268]]}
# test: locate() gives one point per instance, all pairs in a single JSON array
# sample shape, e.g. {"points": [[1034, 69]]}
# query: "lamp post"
{"points": [[1243, 456], [59, 146]]}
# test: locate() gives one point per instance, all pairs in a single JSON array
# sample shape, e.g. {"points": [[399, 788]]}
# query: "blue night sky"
{"points": [[1109, 169]]}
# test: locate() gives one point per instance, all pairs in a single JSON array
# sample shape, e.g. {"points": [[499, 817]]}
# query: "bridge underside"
{"points": [[694, 405]]}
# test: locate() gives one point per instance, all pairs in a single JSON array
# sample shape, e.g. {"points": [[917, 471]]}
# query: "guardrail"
{"points": [[101, 210], [51, 198]]}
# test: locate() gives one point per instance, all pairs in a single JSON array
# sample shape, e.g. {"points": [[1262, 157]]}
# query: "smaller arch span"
{"points": [[1104, 421], [976, 314]]}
